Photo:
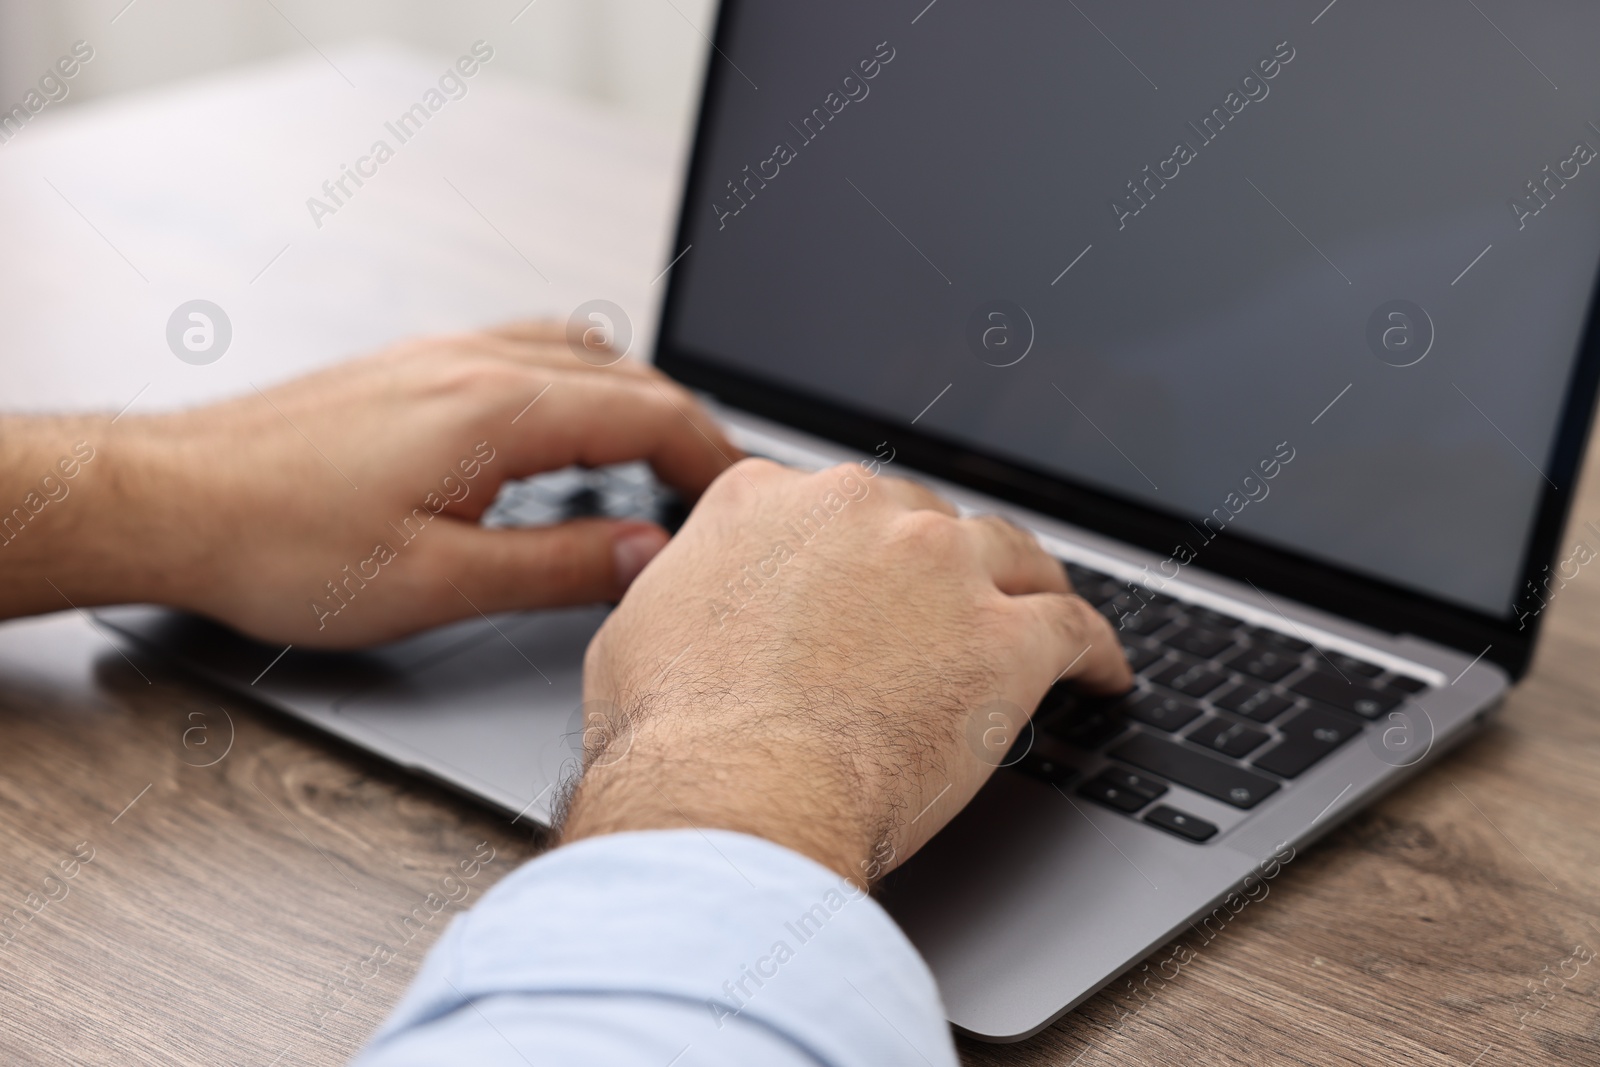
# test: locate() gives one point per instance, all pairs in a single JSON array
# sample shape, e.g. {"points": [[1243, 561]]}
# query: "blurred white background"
{"points": [[180, 165], [642, 56]]}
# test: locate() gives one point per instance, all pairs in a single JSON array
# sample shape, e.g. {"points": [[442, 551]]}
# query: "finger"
{"points": [[1067, 636], [915, 496], [531, 331], [585, 561], [1014, 558], [540, 353], [597, 420], [571, 345]]}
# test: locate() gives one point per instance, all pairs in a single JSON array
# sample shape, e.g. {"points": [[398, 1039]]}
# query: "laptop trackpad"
{"points": [[503, 711]]}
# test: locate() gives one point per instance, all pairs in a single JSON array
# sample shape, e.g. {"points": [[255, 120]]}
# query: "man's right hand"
{"points": [[806, 661]]}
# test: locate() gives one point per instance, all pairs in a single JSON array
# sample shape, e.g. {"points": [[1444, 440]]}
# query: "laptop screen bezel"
{"points": [[1373, 602]]}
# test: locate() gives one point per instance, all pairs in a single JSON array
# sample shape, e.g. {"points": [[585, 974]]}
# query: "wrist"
{"points": [[74, 514], [661, 783]]}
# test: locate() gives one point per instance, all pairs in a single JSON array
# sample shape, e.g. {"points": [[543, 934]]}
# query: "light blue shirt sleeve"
{"points": [[672, 948]]}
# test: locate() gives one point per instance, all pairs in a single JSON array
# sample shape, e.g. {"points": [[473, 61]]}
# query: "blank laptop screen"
{"points": [[1313, 274]]}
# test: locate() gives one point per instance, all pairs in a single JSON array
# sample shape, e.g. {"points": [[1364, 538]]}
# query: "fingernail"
{"points": [[633, 549]]}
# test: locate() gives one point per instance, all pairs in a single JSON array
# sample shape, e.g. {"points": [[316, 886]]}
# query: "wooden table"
{"points": [[229, 910]]}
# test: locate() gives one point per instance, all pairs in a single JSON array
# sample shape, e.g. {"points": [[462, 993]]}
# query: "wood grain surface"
{"points": [[229, 912]]}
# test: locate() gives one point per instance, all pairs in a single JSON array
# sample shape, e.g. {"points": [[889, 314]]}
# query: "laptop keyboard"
{"points": [[1222, 708], [623, 491], [1219, 707]]}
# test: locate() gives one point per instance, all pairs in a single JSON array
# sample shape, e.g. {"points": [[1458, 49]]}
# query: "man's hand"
{"points": [[342, 509], [815, 658]]}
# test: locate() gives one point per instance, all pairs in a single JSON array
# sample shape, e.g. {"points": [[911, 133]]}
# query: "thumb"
{"points": [[584, 561]]}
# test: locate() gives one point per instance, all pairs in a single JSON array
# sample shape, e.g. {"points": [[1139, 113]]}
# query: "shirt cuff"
{"points": [[743, 930]]}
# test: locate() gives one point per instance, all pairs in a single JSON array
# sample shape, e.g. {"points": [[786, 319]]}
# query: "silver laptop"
{"points": [[1275, 327]]}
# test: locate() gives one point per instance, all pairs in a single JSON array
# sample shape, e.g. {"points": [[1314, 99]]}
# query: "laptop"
{"points": [[1274, 323]]}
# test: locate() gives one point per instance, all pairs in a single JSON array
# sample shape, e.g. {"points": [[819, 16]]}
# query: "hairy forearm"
{"points": [[74, 519]]}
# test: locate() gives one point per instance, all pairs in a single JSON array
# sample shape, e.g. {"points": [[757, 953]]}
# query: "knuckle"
{"points": [[756, 468], [1073, 617], [478, 377], [1006, 532], [904, 486], [739, 484], [844, 479], [914, 494], [1091, 624], [667, 397], [680, 394], [1083, 614], [928, 532], [670, 394], [1025, 539], [458, 341]]}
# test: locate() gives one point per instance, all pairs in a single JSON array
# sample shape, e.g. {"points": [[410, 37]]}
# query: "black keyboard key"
{"points": [[1365, 700], [1213, 620], [1095, 729], [1105, 593], [1133, 782], [1098, 591], [1044, 764], [1265, 663], [1082, 576], [1113, 795], [1175, 821], [1307, 737], [1191, 679], [1405, 684], [672, 511], [1348, 666], [1140, 655], [1119, 606], [1059, 699], [583, 502], [1129, 601], [1144, 622], [1083, 722], [1196, 770], [1253, 702], [1200, 641], [1229, 738], [1164, 713], [1276, 639]]}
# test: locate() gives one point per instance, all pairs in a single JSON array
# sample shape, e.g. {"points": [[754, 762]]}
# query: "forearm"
{"points": [[75, 514]]}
